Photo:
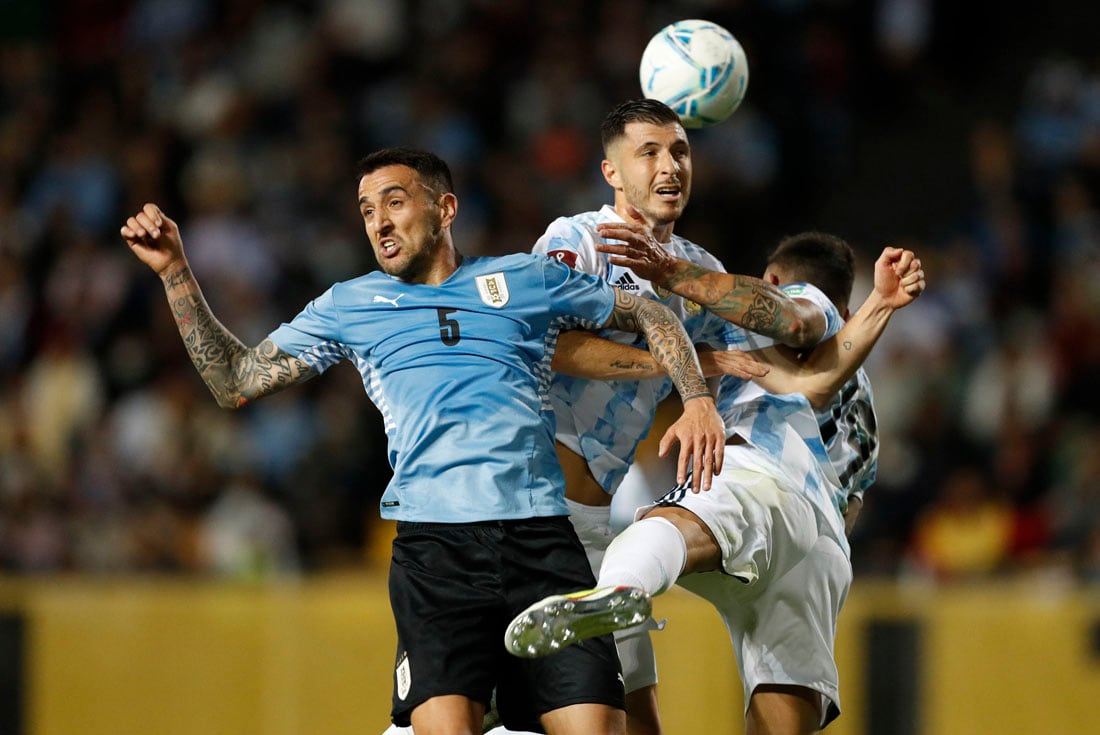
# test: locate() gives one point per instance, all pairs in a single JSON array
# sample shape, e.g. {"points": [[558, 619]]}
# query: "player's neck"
{"points": [[661, 231], [444, 268], [445, 261]]}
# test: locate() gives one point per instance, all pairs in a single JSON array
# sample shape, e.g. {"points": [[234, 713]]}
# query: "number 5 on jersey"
{"points": [[448, 328]]}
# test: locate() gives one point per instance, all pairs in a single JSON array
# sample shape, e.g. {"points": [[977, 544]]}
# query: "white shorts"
{"points": [[784, 580]]}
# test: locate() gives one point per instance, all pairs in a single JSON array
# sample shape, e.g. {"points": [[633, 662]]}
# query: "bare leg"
{"points": [[585, 719], [703, 552], [642, 717], [450, 714], [783, 710]]}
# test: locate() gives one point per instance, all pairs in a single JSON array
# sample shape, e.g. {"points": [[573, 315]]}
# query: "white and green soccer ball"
{"points": [[697, 68]]}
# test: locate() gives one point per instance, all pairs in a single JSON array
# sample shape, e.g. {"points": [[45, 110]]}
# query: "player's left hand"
{"points": [[639, 251], [730, 362], [702, 437]]}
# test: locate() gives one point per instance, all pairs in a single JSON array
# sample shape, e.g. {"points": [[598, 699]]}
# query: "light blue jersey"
{"points": [[461, 375], [785, 427], [603, 421]]}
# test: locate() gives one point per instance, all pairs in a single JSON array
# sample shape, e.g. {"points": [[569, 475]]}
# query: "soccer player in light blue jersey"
{"points": [[766, 546], [455, 351]]}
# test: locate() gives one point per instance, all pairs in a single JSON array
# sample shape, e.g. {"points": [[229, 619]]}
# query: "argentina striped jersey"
{"points": [[785, 427], [603, 421]]}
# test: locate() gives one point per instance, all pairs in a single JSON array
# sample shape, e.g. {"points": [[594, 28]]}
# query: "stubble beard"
{"points": [[419, 264], [666, 215]]}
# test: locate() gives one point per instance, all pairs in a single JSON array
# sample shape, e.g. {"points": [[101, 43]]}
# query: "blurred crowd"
{"points": [[243, 119]]}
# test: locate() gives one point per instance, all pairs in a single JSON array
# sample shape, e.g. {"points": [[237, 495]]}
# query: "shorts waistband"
{"points": [[504, 523]]}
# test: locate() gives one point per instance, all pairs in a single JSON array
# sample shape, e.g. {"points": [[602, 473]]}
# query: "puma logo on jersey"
{"points": [[393, 302]]}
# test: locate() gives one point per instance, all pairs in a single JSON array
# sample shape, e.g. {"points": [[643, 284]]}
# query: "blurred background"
{"points": [[963, 130]]}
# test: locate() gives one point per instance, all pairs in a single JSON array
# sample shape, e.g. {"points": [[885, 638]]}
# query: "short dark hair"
{"points": [[824, 260], [432, 169], [643, 110]]}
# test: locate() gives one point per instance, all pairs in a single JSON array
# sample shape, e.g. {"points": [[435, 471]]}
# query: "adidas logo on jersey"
{"points": [[626, 283]]}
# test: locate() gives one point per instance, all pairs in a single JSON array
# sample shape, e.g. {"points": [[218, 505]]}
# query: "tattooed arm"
{"points": [[699, 431], [899, 279], [668, 341], [234, 373], [583, 354], [750, 302]]}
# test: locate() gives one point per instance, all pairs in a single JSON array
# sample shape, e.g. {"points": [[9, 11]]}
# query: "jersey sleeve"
{"points": [[582, 299], [569, 242], [314, 335], [809, 292]]}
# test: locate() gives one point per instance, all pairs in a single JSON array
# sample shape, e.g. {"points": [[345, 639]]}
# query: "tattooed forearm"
{"points": [[763, 313], [623, 317], [667, 340], [583, 354], [177, 278], [234, 373], [632, 366], [750, 302]]}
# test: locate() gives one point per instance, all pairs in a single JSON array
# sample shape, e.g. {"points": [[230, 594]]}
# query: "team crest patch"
{"points": [[493, 289], [662, 292], [404, 677]]}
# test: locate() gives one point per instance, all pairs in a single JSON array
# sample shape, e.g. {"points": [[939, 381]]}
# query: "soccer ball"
{"points": [[698, 69]]}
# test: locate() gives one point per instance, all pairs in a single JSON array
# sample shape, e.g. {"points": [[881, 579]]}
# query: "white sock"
{"points": [[639, 663], [593, 526], [649, 554]]}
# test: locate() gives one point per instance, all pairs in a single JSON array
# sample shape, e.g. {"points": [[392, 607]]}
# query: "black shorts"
{"points": [[455, 587]]}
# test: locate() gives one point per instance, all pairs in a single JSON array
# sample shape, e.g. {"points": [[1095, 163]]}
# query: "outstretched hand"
{"points": [[154, 238], [639, 251], [899, 277], [731, 362], [702, 438]]}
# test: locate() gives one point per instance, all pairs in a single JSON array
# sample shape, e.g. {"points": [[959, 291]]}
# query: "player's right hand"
{"points": [[702, 437], [639, 250], [154, 238]]}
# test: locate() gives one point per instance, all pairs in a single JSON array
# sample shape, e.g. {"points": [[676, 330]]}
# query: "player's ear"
{"points": [[771, 277], [610, 173], [448, 204]]}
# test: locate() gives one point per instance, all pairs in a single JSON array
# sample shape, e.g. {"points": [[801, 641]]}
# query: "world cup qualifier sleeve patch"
{"points": [[569, 257]]}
